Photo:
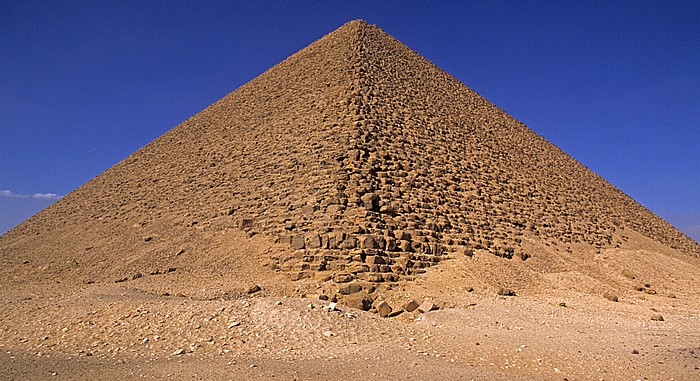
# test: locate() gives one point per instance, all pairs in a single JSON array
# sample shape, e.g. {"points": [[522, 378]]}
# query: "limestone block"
{"points": [[297, 242]]}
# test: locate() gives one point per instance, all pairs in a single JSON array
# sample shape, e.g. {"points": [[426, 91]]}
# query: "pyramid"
{"points": [[354, 159]]}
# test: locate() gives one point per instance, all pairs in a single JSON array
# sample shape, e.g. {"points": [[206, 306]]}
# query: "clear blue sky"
{"points": [[614, 84]]}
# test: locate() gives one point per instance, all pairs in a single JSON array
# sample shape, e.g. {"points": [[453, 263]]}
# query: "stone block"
{"points": [[297, 242], [349, 243], [411, 306], [383, 309], [350, 288], [313, 241], [416, 247], [360, 301], [358, 269], [298, 275], [343, 278], [317, 266], [373, 242], [335, 209], [402, 235], [427, 306], [390, 244], [375, 260], [245, 223], [309, 210]]}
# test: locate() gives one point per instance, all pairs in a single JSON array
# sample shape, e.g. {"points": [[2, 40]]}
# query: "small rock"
{"points": [[628, 274], [650, 291], [333, 306], [635, 352], [657, 317], [179, 352], [147, 238], [328, 333], [610, 296], [252, 289], [562, 304]]}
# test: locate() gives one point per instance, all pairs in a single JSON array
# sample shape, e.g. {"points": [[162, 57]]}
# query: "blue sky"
{"points": [[614, 84]]}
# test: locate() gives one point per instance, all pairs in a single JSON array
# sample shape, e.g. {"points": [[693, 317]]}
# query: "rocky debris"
{"points": [[610, 296]]}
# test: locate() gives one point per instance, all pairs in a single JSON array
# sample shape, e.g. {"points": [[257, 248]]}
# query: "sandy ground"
{"points": [[124, 331]]}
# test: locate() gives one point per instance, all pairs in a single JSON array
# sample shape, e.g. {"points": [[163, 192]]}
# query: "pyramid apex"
{"points": [[355, 24]]}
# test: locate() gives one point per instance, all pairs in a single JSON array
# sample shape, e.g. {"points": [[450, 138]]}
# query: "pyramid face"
{"points": [[358, 159]]}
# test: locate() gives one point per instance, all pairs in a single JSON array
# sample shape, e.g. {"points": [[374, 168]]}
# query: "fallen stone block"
{"points": [[383, 308], [411, 306], [427, 306]]}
